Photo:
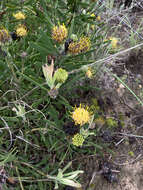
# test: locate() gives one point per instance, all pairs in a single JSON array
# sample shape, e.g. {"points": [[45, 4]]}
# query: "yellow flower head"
{"points": [[19, 15], [84, 44], [21, 30], [114, 42], [77, 140], [59, 33], [74, 48], [98, 18], [89, 73], [4, 35], [81, 115], [92, 15]]}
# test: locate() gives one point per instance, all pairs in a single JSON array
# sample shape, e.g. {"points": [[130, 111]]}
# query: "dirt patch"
{"points": [[134, 63], [127, 170], [131, 179]]}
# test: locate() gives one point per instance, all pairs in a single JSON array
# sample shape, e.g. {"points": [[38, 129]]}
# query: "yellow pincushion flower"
{"points": [[19, 15], [21, 30], [81, 115], [114, 42], [84, 44], [59, 33], [74, 48], [4, 35], [77, 140]]}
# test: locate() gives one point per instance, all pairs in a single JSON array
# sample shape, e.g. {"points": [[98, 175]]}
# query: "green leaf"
{"points": [[8, 157]]}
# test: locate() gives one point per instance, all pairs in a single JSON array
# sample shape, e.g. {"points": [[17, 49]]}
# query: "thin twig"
{"points": [[128, 163], [21, 138], [119, 141], [130, 135]]}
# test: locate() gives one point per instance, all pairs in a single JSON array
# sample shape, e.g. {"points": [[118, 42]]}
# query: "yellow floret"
{"points": [[114, 42], [92, 15], [98, 18], [19, 15], [89, 73], [21, 30]]}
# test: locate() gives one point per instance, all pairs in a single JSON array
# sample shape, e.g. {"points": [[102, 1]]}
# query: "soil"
{"points": [[126, 158]]}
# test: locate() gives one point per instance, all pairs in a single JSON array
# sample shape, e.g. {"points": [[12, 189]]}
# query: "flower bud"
{"points": [[61, 75], [77, 140]]}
